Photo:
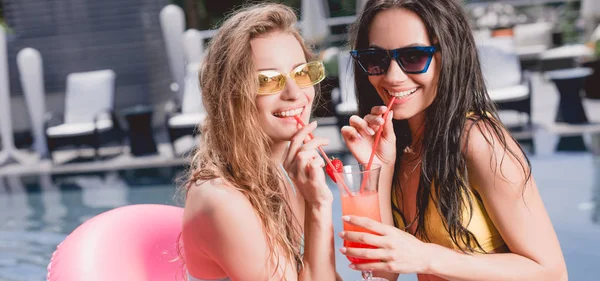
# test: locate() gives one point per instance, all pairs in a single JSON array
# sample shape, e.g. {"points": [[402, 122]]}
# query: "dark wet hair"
{"points": [[460, 90]]}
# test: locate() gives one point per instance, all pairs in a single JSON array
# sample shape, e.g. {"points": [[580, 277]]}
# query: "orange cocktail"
{"points": [[364, 204], [358, 186], [360, 198]]}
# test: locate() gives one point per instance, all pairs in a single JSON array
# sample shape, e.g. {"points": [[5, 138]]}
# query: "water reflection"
{"points": [[22, 251], [596, 192], [595, 149], [54, 209], [15, 207], [38, 212], [103, 191]]}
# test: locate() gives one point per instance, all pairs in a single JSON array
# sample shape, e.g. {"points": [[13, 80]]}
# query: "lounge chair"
{"points": [[508, 86], [89, 117], [186, 117]]}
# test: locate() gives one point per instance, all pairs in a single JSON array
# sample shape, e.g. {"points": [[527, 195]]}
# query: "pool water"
{"points": [[38, 212]]}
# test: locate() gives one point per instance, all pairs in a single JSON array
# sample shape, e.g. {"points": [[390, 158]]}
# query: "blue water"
{"points": [[38, 212]]}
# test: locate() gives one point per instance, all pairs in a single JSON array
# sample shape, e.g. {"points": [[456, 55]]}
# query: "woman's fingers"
{"points": [[315, 168], [315, 143], [318, 162], [366, 253], [378, 110], [367, 126], [367, 223], [304, 157], [308, 153], [364, 238], [361, 125], [359, 145], [375, 121], [350, 133], [298, 140]]}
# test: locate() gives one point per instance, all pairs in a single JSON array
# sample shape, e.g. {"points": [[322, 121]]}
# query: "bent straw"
{"points": [[377, 138], [325, 156]]}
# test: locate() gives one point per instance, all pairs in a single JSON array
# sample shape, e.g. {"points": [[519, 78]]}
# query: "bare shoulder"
{"points": [[481, 140], [494, 158], [215, 217], [214, 198]]}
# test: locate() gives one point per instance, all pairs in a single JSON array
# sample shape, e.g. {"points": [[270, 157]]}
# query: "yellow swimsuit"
{"points": [[479, 224]]}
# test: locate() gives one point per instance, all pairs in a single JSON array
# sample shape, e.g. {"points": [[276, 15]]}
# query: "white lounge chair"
{"points": [[508, 86], [89, 117], [186, 118], [532, 39], [346, 104]]}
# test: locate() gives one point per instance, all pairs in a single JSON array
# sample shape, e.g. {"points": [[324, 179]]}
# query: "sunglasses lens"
{"points": [[414, 60], [375, 62], [309, 74], [270, 82]]}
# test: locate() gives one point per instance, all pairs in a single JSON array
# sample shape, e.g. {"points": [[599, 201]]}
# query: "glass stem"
{"points": [[367, 274]]}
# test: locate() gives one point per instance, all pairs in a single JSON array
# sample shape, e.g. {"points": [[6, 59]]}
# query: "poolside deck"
{"points": [[544, 107]]}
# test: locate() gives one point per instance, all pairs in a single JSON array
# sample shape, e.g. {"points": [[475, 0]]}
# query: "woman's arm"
{"points": [[305, 168], [515, 208], [319, 256], [220, 222], [517, 211], [385, 205], [359, 138]]}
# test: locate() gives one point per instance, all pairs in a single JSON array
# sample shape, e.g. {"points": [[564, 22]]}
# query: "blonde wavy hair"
{"points": [[235, 147]]}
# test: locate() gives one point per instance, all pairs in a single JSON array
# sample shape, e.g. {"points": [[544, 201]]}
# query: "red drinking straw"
{"points": [[377, 138], [324, 156]]}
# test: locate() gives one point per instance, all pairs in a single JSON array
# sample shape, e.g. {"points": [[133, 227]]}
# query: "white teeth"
{"points": [[289, 113], [403, 93]]}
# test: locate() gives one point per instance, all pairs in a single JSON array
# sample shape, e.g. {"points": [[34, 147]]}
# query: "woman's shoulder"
{"points": [[492, 153], [215, 215], [213, 198], [485, 137]]}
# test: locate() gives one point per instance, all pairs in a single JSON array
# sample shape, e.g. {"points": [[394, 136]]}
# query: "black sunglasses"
{"points": [[412, 60]]}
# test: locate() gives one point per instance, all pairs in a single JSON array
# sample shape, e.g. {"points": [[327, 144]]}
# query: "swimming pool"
{"points": [[37, 212]]}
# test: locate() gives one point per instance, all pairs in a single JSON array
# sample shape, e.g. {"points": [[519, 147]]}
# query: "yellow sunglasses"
{"points": [[305, 75]]}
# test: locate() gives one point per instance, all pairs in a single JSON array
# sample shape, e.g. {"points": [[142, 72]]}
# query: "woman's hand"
{"points": [[305, 166], [360, 137], [397, 251]]}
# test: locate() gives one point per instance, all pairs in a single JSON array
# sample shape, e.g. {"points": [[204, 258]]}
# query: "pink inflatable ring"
{"points": [[131, 243]]}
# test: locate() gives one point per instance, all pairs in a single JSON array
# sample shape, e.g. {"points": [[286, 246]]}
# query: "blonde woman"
{"points": [[257, 204]]}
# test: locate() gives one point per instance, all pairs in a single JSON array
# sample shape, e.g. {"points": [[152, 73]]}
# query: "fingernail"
{"points": [[341, 234], [346, 218], [343, 250], [357, 136], [352, 266], [390, 115], [370, 131]]}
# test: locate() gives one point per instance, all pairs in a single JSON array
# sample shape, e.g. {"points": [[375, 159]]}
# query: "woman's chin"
{"points": [[402, 115]]}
